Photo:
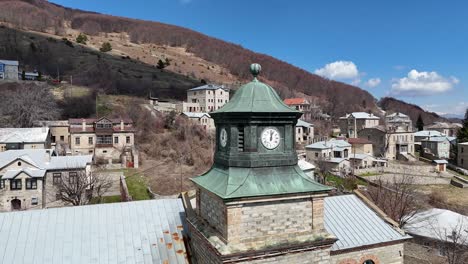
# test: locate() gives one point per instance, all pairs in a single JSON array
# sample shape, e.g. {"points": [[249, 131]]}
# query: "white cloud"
{"points": [[373, 82], [339, 70], [422, 83]]}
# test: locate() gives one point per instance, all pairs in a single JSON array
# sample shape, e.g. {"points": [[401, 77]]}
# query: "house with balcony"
{"points": [[206, 98], [110, 140], [333, 148], [352, 123], [390, 144], [446, 128], [28, 177], [398, 121], [300, 104]]}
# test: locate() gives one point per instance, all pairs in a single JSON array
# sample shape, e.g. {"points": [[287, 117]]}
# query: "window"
{"points": [[104, 139], [53, 139], [240, 139], [19, 163], [104, 125], [72, 177], [31, 184], [116, 140], [461, 149], [127, 139], [2, 184], [34, 201], [56, 178], [62, 138], [316, 154], [16, 184], [90, 140], [77, 141]]}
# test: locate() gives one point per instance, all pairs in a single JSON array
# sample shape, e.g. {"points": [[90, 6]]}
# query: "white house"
{"points": [[205, 98], [9, 70], [329, 149], [24, 138], [439, 147], [352, 123], [304, 132], [202, 119]]}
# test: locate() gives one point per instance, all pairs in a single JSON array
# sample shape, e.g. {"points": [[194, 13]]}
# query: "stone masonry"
{"points": [[392, 254]]}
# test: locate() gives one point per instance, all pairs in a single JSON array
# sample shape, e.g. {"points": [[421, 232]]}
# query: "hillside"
{"points": [[392, 105], [226, 59]]}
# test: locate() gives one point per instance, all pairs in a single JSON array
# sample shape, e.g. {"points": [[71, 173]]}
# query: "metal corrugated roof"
{"points": [[9, 62], [133, 232], [329, 144], [20, 135], [355, 224], [302, 123], [45, 159], [360, 115], [208, 87], [35, 173]]}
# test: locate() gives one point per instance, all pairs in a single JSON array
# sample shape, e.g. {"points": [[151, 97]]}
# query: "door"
{"points": [[16, 204]]}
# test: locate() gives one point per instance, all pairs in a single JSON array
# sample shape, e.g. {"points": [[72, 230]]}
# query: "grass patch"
{"points": [[136, 185], [368, 174], [106, 199], [347, 183]]}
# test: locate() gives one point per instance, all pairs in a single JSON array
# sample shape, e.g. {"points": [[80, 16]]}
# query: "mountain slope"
{"points": [[289, 80], [392, 105]]}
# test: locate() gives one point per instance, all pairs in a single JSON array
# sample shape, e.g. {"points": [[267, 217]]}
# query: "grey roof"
{"points": [[35, 173], [428, 133], [444, 125], [9, 62], [134, 232], [208, 87], [333, 143], [434, 222], [440, 161], [360, 156], [44, 159], [305, 165], [355, 224], [440, 139], [196, 114], [302, 123], [397, 114], [335, 160], [360, 115], [20, 135]]}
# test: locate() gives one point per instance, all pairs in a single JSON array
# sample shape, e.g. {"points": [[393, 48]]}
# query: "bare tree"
{"points": [[81, 188], [396, 197], [453, 241], [26, 103]]}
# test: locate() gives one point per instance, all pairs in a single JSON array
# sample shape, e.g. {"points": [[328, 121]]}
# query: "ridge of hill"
{"points": [[392, 105]]}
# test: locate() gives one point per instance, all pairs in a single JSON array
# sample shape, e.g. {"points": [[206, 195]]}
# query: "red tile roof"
{"points": [[295, 101], [358, 141]]}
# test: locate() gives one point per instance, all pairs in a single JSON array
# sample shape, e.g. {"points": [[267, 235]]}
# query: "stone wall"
{"points": [[257, 225], [392, 254], [213, 210], [320, 256]]}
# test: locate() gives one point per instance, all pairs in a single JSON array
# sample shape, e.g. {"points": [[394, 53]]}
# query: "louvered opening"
{"points": [[240, 140]]}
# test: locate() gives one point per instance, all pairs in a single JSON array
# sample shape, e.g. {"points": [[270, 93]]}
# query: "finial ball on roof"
{"points": [[255, 69]]}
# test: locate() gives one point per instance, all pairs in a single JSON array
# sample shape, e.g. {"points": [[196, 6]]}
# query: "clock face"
{"points": [[270, 137], [223, 137]]}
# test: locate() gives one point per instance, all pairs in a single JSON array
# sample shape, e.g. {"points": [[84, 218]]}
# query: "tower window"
{"points": [[240, 139]]}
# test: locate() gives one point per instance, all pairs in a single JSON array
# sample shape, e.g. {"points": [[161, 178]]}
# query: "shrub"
{"points": [[82, 38], [106, 47]]}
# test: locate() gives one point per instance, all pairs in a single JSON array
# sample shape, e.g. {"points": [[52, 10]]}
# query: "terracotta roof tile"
{"points": [[295, 101]]}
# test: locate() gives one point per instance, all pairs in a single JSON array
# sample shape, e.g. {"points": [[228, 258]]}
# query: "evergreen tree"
{"points": [[462, 135], [160, 65], [106, 46], [23, 75], [82, 38], [39, 76], [420, 123]]}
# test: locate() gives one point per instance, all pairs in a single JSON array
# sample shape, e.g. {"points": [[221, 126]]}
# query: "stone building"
{"points": [[300, 104], [202, 119], [448, 129], [28, 177], [462, 157], [361, 146], [333, 148], [304, 132], [352, 123], [109, 140], [437, 147], [205, 98], [398, 121], [255, 205], [58, 130], [24, 138], [9, 70], [390, 144]]}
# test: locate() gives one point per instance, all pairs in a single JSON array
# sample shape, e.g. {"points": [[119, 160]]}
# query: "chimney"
{"points": [[122, 125], [83, 124], [47, 155]]}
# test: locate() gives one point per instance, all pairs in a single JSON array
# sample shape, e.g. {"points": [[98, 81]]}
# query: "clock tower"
{"points": [[255, 201]]}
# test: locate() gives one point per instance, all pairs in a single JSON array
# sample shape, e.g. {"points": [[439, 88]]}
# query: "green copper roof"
{"points": [[255, 97], [235, 182]]}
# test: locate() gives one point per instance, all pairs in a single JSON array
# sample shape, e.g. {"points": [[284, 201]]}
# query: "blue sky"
{"points": [[413, 50]]}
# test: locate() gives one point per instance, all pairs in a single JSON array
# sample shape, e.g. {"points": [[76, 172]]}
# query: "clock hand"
{"points": [[271, 135]]}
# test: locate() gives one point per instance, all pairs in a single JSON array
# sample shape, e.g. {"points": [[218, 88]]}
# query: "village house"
{"points": [[109, 140], [9, 70], [398, 122], [304, 132], [363, 161], [436, 233], [162, 106], [28, 176], [390, 144], [255, 205], [24, 138], [206, 98], [462, 157], [59, 130], [361, 146], [300, 104], [425, 134], [201, 119], [352, 123], [333, 148], [449, 129], [437, 147]]}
